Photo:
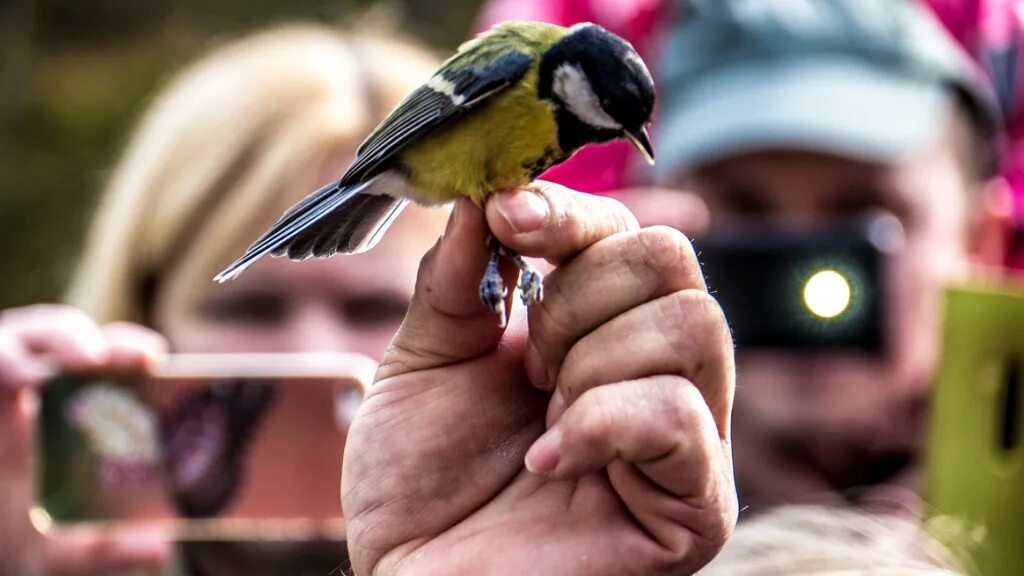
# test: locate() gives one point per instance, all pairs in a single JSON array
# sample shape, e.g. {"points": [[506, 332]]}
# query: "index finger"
{"points": [[546, 220], [65, 335], [446, 322]]}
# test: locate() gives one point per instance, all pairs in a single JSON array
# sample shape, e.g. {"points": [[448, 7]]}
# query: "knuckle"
{"points": [[592, 423], [664, 254], [677, 403], [716, 323], [669, 247], [693, 320], [621, 217], [700, 311], [589, 218]]}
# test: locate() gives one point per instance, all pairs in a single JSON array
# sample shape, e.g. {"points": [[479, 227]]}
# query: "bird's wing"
{"points": [[468, 79], [321, 224]]}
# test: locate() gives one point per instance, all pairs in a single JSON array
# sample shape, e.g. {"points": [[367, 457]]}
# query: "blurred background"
{"points": [[74, 77]]}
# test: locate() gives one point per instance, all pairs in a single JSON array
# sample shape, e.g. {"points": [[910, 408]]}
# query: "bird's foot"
{"points": [[531, 283], [492, 287]]}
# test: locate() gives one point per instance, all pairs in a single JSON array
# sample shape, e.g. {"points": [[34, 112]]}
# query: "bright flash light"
{"points": [[827, 294]]}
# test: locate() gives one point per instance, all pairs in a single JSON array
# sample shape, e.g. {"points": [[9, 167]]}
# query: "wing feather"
{"points": [[346, 216], [469, 82]]}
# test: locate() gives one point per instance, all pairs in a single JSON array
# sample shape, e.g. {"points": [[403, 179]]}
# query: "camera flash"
{"points": [[827, 294]]}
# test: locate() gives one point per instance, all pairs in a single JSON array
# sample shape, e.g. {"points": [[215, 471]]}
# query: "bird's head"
{"points": [[601, 89]]}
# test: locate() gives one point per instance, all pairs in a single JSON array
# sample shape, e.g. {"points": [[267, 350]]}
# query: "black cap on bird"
{"points": [[602, 88], [509, 104]]}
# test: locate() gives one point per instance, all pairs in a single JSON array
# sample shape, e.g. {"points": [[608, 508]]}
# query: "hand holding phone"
{"points": [[35, 342], [210, 447]]}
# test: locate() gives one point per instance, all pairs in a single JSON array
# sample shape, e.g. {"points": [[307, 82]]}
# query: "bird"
{"points": [[512, 102]]}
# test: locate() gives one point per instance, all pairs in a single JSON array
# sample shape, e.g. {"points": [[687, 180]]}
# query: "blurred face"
{"points": [[343, 304], [813, 427]]}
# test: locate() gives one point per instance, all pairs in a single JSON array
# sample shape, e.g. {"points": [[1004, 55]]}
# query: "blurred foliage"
{"points": [[75, 76]]}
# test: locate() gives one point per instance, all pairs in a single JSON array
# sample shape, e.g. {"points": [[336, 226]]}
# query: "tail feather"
{"points": [[337, 235], [357, 228], [333, 219]]}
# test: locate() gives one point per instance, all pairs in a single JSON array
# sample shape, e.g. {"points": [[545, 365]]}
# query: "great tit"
{"points": [[516, 100]]}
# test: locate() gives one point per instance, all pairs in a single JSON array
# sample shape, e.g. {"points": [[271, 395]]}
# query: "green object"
{"points": [[975, 465]]}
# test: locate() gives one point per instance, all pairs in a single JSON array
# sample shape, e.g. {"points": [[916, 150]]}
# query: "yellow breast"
{"points": [[501, 145]]}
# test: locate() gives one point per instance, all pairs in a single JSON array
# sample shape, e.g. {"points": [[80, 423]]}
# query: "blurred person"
{"points": [[808, 112], [232, 142]]}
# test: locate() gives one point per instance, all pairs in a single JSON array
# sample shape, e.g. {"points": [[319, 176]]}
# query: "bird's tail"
{"points": [[334, 219]]}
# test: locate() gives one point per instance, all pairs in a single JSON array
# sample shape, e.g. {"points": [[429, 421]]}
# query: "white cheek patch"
{"points": [[573, 88]]}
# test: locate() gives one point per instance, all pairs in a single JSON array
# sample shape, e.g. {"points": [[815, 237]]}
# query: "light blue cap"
{"points": [[872, 79]]}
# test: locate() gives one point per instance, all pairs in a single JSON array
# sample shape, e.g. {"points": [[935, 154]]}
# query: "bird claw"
{"points": [[531, 286], [492, 288], [493, 293]]}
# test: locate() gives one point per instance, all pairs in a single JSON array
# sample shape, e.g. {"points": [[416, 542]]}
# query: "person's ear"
{"points": [[991, 224]]}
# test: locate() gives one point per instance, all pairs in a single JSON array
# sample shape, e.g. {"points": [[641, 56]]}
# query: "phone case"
{"points": [[211, 447], [975, 461]]}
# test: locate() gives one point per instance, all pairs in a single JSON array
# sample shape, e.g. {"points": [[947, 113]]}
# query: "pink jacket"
{"points": [[992, 31]]}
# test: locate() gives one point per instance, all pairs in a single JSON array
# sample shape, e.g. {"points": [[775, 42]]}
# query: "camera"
{"points": [[812, 287]]}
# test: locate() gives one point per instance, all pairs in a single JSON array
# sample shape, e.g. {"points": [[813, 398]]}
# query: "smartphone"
{"points": [[210, 447], [974, 463], [812, 287]]}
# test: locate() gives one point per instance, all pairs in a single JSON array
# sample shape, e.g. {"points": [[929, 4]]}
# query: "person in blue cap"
{"points": [[801, 112]]}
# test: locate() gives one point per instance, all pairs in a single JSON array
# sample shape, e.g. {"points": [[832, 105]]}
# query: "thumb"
{"points": [[446, 321], [74, 552]]}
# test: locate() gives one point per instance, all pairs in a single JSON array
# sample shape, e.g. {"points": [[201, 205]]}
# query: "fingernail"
{"points": [[524, 210], [542, 457]]}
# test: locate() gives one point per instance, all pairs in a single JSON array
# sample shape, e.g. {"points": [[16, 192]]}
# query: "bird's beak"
{"points": [[642, 141]]}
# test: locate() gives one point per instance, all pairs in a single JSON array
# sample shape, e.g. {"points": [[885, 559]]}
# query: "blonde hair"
{"points": [[227, 147], [832, 541]]}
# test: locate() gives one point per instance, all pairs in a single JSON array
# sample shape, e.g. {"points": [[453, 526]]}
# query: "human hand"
{"points": [[634, 472], [36, 342]]}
